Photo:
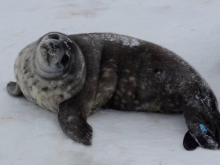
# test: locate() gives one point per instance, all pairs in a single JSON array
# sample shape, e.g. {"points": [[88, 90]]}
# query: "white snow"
{"points": [[30, 135], [126, 41]]}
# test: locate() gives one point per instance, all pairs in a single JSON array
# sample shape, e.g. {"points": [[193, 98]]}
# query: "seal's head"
{"points": [[49, 70], [53, 55]]}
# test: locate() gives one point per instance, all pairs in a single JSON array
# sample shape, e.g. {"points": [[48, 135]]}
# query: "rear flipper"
{"points": [[200, 135], [200, 109], [14, 89], [206, 141], [189, 143], [203, 122]]}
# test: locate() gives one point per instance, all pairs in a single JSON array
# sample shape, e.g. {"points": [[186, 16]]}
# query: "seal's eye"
{"points": [[64, 61], [54, 36], [158, 71]]}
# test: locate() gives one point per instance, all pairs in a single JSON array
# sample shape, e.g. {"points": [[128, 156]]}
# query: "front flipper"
{"points": [[14, 89], [73, 123]]}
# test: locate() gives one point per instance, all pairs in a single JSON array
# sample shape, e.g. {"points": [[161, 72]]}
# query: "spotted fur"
{"points": [[119, 72]]}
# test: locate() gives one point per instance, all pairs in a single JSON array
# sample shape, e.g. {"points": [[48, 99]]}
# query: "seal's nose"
{"points": [[54, 36]]}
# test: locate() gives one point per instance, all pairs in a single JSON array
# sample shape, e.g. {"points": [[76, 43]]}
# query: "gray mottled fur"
{"points": [[114, 71]]}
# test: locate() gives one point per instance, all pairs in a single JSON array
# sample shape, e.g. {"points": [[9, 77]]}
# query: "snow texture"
{"points": [[31, 135]]}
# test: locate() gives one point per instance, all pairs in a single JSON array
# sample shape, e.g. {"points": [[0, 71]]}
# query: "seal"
{"points": [[75, 75]]}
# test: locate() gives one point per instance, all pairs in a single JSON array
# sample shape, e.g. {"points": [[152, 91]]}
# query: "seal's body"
{"points": [[77, 74]]}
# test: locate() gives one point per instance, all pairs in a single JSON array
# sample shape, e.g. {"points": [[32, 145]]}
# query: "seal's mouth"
{"points": [[47, 72], [65, 60]]}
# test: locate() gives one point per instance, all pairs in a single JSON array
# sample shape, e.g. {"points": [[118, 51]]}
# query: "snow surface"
{"points": [[30, 135]]}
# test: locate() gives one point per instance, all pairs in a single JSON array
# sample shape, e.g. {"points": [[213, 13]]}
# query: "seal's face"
{"points": [[53, 55], [50, 70]]}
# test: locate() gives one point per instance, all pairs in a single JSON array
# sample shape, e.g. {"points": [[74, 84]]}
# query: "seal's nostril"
{"points": [[64, 61], [54, 46], [54, 36]]}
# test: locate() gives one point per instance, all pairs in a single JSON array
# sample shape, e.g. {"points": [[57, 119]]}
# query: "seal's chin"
{"points": [[48, 72]]}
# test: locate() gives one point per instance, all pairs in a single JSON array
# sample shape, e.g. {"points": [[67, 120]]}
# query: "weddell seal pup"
{"points": [[75, 75]]}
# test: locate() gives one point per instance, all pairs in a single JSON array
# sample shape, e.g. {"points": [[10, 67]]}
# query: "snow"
{"points": [[126, 41], [31, 135]]}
